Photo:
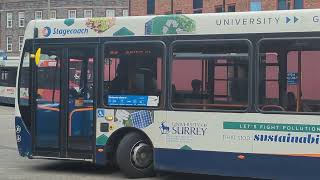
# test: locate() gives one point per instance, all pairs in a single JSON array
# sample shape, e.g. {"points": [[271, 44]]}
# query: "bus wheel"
{"points": [[135, 156]]}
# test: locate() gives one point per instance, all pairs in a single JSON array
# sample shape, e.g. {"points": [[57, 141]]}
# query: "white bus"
{"points": [[233, 94], [8, 74]]}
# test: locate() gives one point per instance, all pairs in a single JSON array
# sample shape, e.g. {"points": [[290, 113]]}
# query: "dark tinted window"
{"points": [[283, 4], [218, 9], [151, 6], [133, 74], [232, 8], [298, 4], [197, 4], [8, 76]]}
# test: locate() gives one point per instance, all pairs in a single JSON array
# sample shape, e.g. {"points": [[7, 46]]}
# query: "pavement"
{"points": [[14, 167]]}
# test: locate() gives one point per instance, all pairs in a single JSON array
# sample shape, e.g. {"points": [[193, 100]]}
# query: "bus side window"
{"points": [[134, 71], [214, 76], [287, 75]]}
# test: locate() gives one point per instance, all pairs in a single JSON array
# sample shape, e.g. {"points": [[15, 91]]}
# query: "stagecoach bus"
{"points": [[8, 74], [232, 94]]}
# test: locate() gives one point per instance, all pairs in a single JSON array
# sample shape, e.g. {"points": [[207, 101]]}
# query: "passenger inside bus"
{"points": [[291, 102], [196, 87], [120, 83]]}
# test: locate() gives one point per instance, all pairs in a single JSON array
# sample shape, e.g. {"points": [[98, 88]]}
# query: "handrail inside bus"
{"points": [[89, 108], [212, 105], [240, 56]]}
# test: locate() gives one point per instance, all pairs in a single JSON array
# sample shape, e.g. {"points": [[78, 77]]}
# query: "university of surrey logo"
{"points": [[46, 31], [164, 128]]}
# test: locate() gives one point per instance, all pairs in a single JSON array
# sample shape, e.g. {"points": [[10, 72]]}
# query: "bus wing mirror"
{"points": [[36, 56]]}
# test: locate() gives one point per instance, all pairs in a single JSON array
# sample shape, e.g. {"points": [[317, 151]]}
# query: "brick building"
{"points": [[15, 14], [145, 7]]}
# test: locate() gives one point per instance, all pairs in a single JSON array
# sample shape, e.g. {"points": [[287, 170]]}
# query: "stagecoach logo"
{"points": [[18, 129], [18, 138], [46, 31]]}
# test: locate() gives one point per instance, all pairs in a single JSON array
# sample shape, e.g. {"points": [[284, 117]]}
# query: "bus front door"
{"points": [[80, 136], [63, 105], [47, 97]]}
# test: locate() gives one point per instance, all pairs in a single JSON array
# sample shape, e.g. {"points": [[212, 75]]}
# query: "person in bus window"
{"points": [[291, 102], [196, 87], [120, 83]]}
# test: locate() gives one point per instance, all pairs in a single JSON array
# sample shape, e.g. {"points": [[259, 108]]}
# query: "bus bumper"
{"points": [[23, 138]]}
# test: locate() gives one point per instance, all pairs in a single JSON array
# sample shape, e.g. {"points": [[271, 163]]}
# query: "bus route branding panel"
{"points": [[276, 133]]}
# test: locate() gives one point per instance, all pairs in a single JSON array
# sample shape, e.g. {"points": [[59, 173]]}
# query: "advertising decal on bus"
{"points": [[178, 24], [110, 120], [288, 137]]}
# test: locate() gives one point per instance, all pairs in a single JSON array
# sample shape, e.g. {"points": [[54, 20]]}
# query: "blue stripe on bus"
{"points": [[23, 138], [228, 164]]}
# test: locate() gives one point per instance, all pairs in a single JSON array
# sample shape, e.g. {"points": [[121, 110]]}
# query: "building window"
{"points": [[218, 9], [197, 6], [53, 14], [151, 6], [87, 13], [9, 20], [4, 75], [21, 19], [110, 13], [284, 4], [255, 5], [20, 43], [232, 8], [38, 15], [125, 12], [178, 11], [9, 44], [214, 75], [298, 4], [72, 14]]}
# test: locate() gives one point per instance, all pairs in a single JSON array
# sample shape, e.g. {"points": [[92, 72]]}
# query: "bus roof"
{"points": [[178, 24]]}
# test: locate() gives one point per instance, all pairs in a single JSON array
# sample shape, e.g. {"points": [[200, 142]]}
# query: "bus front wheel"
{"points": [[135, 156]]}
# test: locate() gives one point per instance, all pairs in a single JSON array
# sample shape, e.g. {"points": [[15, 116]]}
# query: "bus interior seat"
{"points": [[291, 102], [173, 91]]}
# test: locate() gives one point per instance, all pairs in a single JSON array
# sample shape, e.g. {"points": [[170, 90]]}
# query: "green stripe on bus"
{"points": [[272, 127]]}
